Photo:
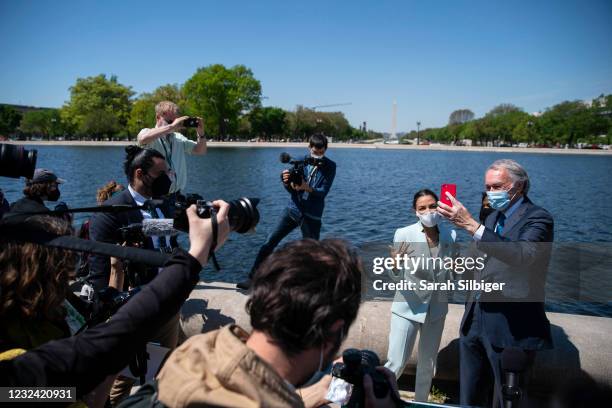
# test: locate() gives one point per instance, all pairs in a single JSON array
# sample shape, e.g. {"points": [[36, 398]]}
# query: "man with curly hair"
{"points": [[43, 186]]}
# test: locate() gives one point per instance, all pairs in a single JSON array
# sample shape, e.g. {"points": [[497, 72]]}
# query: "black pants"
{"points": [[310, 229], [478, 359]]}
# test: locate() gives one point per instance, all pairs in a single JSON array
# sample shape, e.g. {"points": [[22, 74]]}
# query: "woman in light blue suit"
{"points": [[420, 310]]}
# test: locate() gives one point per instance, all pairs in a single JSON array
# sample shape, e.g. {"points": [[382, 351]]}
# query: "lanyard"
{"points": [[167, 151], [312, 173]]}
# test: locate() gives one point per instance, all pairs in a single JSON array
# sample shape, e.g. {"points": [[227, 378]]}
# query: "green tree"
{"points": [[9, 120], [100, 123], [460, 116], [221, 95], [502, 109], [44, 122], [499, 122], [268, 122], [94, 95], [569, 121]]}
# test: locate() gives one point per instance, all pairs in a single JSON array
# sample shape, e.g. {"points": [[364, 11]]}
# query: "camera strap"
{"points": [[215, 235]]}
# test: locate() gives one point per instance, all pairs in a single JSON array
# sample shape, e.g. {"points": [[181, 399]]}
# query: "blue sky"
{"points": [[430, 56]]}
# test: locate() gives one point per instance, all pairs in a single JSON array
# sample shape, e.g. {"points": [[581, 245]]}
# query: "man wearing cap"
{"points": [[43, 186]]}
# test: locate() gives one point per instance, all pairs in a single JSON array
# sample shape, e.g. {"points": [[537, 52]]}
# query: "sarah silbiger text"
{"points": [[461, 285]]}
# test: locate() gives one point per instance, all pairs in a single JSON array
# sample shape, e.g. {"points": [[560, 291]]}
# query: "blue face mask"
{"points": [[498, 200]]}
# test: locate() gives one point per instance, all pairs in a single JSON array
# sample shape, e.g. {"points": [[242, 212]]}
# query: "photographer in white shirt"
{"points": [[166, 139]]}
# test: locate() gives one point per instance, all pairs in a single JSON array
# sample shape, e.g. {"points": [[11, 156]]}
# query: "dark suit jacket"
{"points": [[519, 258], [104, 227], [313, 203]]}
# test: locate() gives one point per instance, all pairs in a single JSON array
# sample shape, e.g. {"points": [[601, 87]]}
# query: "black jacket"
{"points": [[519, 258], [27, 204], [84, 361], [105, 227]]}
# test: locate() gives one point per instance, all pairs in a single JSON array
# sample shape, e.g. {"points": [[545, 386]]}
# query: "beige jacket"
{"points": [[218, 369]]}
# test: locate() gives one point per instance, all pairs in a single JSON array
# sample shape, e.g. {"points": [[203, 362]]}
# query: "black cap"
{"points": [[45, 176]]}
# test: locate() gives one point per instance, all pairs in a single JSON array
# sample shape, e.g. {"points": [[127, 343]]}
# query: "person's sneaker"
{"points": [[244, 285]]}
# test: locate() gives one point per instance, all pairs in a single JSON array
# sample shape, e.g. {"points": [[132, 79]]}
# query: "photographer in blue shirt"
{"points": [[306, 201]]}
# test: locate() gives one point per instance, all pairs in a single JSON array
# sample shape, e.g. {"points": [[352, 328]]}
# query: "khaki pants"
{"points": [[166, 336]]}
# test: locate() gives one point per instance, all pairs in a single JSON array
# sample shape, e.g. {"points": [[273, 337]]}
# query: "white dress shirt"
{"points": [[478, 234], [140, 200]]}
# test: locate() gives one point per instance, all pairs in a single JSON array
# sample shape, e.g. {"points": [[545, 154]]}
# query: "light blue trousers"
{"points": [[401, 342]]}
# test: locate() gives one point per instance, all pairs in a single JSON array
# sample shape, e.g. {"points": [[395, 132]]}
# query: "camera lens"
{"points": [[243, 215], [369, 359], [352, 359], [15, 161]]}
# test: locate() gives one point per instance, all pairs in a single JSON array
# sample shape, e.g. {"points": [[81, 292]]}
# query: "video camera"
{"points": [[356, 364], [296, 174], [16, 161]]}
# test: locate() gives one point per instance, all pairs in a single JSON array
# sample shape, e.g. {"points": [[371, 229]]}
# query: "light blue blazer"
{"points": [[414, 305]]}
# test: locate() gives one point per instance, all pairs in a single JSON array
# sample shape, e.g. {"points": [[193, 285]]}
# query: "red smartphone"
{"points": [[452, 189]]}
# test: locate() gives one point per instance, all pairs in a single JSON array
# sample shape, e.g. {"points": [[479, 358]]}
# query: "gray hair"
{"points": [[516, 171]]}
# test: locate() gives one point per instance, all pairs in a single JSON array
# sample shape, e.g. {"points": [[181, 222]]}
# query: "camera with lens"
{"points": [[16, 161], [356, 364], [191, 122], [296, 173], [132, 235], [108, 302], [243, 215]]}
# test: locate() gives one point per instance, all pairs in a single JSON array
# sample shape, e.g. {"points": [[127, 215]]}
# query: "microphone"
{"points": [[513, 361], [285, 157], [159, 227]]}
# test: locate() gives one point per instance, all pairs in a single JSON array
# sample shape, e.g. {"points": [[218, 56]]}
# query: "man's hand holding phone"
{"points": [[456, 212]]}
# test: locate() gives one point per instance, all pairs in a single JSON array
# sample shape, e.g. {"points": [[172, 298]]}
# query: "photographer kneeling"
{"points": [[85, 360]]}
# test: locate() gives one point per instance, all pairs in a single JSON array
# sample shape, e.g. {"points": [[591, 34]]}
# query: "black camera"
{"points": [[357, 363], [109, 300], [132, 235], [296, 174], [243, 215], [191, 122], [15, 161]]}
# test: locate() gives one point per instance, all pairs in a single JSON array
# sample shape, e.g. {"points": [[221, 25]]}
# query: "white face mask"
{"points": [[430, 219], [314, 156]]}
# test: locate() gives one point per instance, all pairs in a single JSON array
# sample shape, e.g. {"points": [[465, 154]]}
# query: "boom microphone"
{"points": [[25, 232], [159, 227]]}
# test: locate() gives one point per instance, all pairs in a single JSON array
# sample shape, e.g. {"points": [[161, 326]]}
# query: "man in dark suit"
{"points": [[516, 240], [306, 202], [146, 170]]}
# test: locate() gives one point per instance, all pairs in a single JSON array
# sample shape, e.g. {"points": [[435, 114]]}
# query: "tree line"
{"points": [[228, 99], [568, 123]]}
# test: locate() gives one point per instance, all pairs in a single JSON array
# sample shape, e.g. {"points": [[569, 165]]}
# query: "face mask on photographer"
{"points": [[160, 186], [54, 194], [317, 152], [322, 371], [429, 219]]}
